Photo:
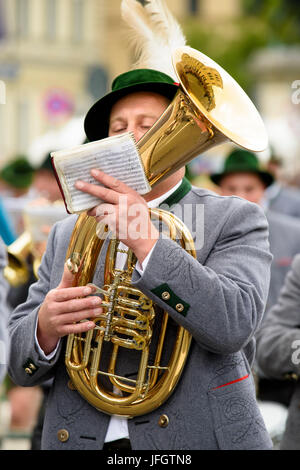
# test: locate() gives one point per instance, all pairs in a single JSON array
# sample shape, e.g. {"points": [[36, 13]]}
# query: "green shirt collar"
{"points": [[180, 192]]}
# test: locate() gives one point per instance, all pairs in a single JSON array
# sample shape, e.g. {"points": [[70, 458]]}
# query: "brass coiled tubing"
{"points": [[127, 322]]}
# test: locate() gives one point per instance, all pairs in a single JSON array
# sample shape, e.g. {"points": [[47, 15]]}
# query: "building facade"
{"points": [[59, 56]]}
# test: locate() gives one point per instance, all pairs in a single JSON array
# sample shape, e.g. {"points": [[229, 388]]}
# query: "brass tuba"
{"points": [[38, 216], [208, 109], [17, 270]]}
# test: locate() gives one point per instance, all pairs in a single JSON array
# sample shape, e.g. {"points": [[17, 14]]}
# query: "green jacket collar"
{"points": [[180, 192]]}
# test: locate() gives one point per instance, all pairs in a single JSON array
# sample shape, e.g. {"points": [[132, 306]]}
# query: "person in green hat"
{"points": [[142, 81], [16, 178], [44, 182], [218, 297], [18, 174], [243, 176], [136, 101]]}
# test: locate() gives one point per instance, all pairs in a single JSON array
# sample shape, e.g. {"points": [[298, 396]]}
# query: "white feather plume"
{"points": [[153, 34]]}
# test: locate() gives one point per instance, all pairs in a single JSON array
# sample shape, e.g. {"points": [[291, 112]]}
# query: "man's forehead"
{"points": [[119, 117], [140, 100]]}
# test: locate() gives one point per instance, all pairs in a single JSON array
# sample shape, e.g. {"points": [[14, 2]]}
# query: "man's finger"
{"points": [[77, 328], [69, 293], [74, 317], [104, 194], [66, 291], [67, 279], [74, 304], [110, 182]]}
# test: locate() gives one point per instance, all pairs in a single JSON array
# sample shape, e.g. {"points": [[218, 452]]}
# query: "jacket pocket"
{"points": [[237, 419]]}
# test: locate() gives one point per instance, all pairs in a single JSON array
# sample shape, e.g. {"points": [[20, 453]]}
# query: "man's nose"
{"points": [[135, 131]]}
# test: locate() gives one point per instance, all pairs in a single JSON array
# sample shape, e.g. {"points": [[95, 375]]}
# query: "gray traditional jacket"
{"points": [[284, 238], [284, 199], [278, 348], [223, 294]]}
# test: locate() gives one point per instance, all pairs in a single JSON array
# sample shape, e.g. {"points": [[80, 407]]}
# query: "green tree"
{"points": [[262, 23]]}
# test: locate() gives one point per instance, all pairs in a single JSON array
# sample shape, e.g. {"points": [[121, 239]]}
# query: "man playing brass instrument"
{"points": [[218, 297], [215, 297]]}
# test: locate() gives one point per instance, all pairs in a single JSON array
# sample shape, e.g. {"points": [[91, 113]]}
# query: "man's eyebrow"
{"points": [[117, 118], [142, 115]]}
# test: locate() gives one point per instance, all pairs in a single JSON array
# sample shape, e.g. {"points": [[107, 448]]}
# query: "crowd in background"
{"points": [[30, 202]]}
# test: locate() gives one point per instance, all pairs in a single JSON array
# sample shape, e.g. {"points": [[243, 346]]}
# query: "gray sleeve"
{"points": [[278, 338], [4, 342], [26, 366], [224, 299]]}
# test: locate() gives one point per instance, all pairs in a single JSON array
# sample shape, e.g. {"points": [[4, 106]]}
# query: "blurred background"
{"points": [[57, 57]]}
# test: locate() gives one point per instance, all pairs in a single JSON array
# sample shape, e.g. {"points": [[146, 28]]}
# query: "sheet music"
{"points": [[117, 156]]}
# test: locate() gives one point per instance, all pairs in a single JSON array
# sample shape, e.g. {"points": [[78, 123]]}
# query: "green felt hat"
{"points": [[18, 173], [242, 161], [97, 118]]}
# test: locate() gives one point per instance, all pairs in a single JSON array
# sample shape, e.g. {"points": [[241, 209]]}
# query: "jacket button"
{"points": [[165, 295], [28, 371], [179, 307], [163, 421], [63, 435]]}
